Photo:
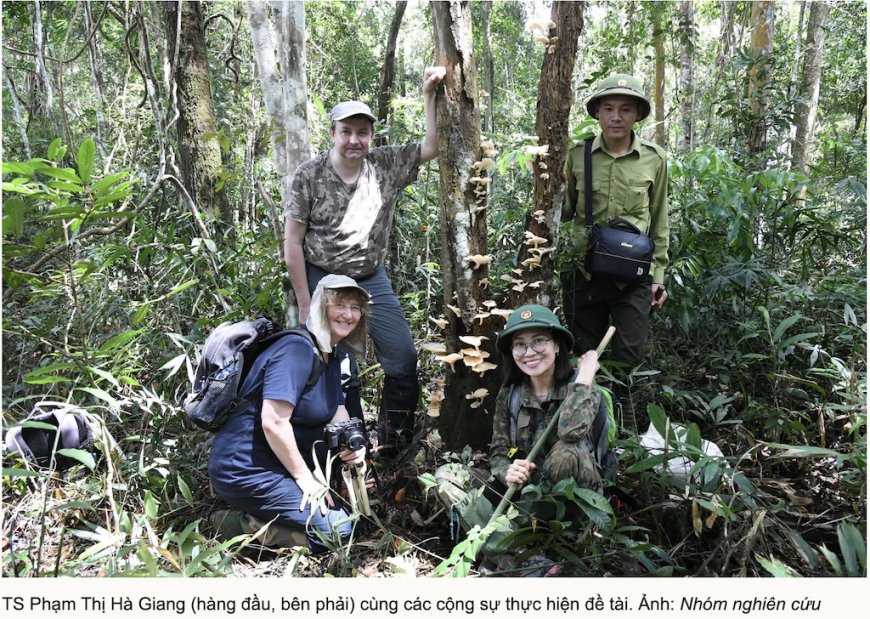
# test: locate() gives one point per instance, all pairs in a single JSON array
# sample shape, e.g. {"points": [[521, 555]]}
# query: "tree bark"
{"points": [[809, 86], [687, 72], [463, 229], [537, 259], [489, 69], [98, 84], [200, 155], [285, 94], [659, 38], [388, 72], [761, 47]]}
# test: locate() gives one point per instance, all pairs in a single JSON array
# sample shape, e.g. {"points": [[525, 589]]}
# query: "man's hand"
{"points": [[519, 472], [353, 457], [659, 296], [432, 76]]}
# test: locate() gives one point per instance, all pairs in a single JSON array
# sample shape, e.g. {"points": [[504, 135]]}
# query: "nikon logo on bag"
{"points": [[624, 244]]}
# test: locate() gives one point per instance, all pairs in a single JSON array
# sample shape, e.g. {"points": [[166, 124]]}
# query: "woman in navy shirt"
{"points": [[262, 459]]}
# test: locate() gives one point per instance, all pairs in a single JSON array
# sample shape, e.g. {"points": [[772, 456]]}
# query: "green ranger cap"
{"points": [[531, 317], [620, 84]]}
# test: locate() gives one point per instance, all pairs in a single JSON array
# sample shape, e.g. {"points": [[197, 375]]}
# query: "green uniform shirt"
{"points": [[633, 186]]}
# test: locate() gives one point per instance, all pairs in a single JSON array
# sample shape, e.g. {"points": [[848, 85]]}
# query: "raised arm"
{"points": [[432, 76]]}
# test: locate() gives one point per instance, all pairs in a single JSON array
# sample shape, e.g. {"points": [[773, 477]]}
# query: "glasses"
{"points": [[356, 310], [539, 344]]}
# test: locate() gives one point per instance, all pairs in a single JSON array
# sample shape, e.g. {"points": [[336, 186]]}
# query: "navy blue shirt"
{"points": [[241, 462]]}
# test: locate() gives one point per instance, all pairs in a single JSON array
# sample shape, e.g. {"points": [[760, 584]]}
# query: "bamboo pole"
{"points": [[512, 488]]}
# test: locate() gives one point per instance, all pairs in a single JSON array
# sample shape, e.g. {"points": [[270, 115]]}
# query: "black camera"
{"points": [[348, 434]]}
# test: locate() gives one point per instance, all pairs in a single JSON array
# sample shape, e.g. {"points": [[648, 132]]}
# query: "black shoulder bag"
{"points": [[616, 250]]}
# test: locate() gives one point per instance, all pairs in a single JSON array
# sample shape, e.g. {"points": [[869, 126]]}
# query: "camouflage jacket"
{"points": [[349, 225], [576, 410]]}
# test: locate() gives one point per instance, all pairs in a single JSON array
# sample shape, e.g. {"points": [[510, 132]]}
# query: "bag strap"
{"points": [[514, 408], [587, 180]]}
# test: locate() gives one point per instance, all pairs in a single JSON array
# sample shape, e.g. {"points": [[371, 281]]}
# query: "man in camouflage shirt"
{"points": [[338, 221]]}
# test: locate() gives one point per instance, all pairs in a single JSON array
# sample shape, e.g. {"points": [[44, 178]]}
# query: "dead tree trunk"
{"points": [[463, 228], [537, 253]]}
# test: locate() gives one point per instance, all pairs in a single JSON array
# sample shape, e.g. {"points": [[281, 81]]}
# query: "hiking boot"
{"points": [[230, 523]]}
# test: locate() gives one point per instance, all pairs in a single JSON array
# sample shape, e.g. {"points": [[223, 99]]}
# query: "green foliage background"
{"points": [[108, 287]]}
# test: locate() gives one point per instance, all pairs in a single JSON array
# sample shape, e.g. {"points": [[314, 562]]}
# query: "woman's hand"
{"points": [[587, 366], [314, 494], [519, 472]]}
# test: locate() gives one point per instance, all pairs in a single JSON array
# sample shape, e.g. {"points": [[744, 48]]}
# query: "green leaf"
{"points": [[852, 548], [693, 436], [20, 472], [102, 395], [13, 216], [183, 286], [14, 167], [140, 314], [66, 174], [80, 455], [646, 464], [119, 340], [804, 451], [185, 490], [56, 150], [64, 186], [116, 195], [38, 378], [25, 189], [87, 154], [151, 505], [101, 186], [173, 365], [104, 374], [775, 567], [784, 326]]}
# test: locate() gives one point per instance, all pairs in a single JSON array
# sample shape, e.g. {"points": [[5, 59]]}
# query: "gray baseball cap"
{"points": [[346, 109]]}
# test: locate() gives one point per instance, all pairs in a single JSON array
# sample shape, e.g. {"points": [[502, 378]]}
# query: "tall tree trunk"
{"points": [[463, 229], [761, 47], [19, 117], [200, 154], [687, 72], [285, 94], [388, 72], [489, 69], [726, 38], [536, 257], [97, 82], [659, 39], [47, 91], [809, 86]]}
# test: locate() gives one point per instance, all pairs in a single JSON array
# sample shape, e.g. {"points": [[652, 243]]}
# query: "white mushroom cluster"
{"points": [[540, 29]]}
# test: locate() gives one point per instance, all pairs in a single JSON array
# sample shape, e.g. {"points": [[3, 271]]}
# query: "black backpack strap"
{"points": [[316, 362], [514, 409], [587, 180]]}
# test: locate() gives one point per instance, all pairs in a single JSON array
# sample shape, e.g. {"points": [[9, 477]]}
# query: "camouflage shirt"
{"points": [[349, 225], [576, 410]]}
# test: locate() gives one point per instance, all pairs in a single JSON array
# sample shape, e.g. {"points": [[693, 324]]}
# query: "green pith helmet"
{"points": [[531, 317], [620, 84]]}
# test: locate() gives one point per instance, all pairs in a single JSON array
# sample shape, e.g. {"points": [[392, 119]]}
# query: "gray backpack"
{"points": [[227, 356]]}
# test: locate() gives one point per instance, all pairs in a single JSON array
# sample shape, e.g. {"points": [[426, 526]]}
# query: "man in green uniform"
{"points": [[629, 181]]}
